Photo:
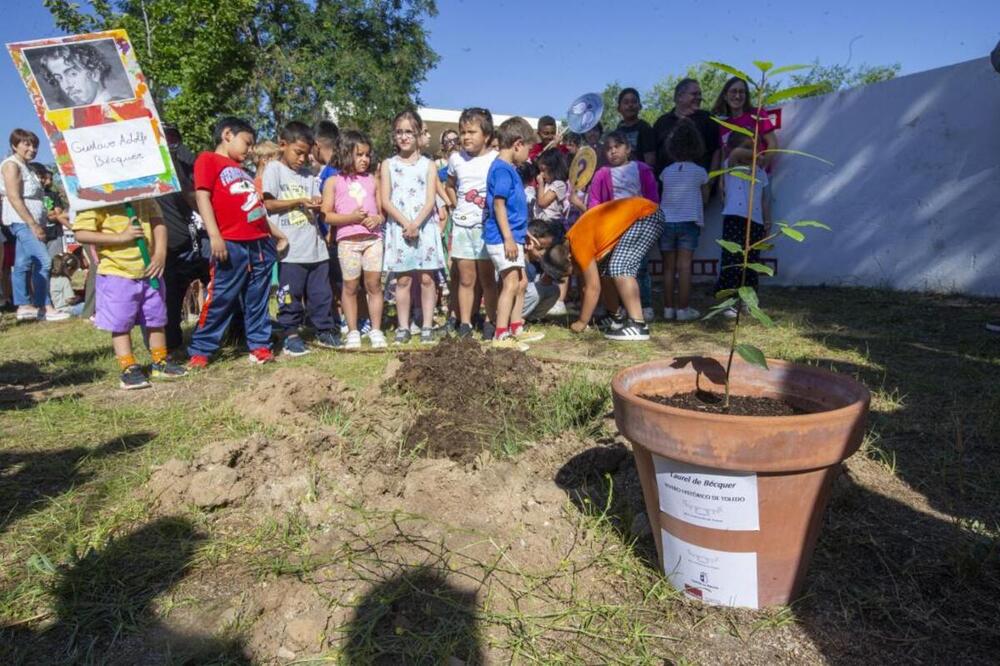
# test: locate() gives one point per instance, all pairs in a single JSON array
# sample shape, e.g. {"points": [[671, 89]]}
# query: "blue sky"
{"points": [[547, 53]]}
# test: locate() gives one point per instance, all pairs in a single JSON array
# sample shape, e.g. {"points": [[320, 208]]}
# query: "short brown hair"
{"points": [[19, 135], [513, 130], [479, 116]]}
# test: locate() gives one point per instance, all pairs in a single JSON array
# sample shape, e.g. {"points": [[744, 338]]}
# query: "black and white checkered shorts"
{"points": [[630, 252]]}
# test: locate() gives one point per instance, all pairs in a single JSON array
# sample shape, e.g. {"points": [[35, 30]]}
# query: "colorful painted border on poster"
{"points": [[137, 116]]}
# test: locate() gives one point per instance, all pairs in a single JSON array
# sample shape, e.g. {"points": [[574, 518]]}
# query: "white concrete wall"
{"points": [[913, 197]]}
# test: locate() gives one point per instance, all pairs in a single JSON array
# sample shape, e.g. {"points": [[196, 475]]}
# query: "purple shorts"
{"points": [[123, 302]]}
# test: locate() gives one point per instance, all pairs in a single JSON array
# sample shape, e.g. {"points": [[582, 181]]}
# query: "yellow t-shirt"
{"points": [[123, 260]]}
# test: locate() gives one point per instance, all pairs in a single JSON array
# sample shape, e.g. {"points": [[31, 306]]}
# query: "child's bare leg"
{"points": [[349, 302], [121, 343], [517, 311], [609, 295], [487, 278], [373, 285], [402, 300], [453, 284], [158, 344], [628, 291], [466, 289], [669, 267], [683, 278], [509, 281], [428, 297]]}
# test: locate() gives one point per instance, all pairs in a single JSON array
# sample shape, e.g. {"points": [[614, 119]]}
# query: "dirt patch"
{"points": [[289, 393], [475, 397], [739, 405]]}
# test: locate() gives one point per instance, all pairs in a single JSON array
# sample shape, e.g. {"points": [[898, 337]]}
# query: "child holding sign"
{"points": [[128, 291]]}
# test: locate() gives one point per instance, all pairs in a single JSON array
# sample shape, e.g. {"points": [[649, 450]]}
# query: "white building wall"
{"points": [[913, 197]]}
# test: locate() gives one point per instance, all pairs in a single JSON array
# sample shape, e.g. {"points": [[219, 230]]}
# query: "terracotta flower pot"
{"points": [[736, 502]]}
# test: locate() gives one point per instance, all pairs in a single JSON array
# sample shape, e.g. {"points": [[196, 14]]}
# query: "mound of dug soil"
{"points": [[289, 393], [475, 396]]}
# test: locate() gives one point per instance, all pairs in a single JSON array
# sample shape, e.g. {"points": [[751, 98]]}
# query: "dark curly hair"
{"points": [[684, 143], [85, 55]]}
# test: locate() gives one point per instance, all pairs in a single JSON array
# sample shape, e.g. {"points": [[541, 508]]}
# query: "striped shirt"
{"points": [[681, 200]]}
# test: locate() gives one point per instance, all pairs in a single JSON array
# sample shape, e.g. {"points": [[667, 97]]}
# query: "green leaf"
{"points": [[729, 69], [730, 246], [724, 293], [763, 65], [811, 223], [718, 308], [794, 234], [761, 268], [723, 172], [741, 173], [734, 128], [762, 245], [748, 296], [752, 355], [788, 93], [761, 316], [784, 69], [800, 153]]}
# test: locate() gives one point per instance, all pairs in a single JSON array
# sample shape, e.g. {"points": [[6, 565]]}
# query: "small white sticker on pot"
{"points": [[716, 577], [707, 497]]}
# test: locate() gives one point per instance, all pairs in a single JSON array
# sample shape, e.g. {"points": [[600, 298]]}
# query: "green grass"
{"points": [[907, 567]]}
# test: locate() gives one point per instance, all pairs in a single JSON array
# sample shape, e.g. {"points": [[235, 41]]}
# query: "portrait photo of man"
{"points": [[79, 74]]}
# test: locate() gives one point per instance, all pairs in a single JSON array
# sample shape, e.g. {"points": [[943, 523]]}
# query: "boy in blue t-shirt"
{"points": [[506, 225]]}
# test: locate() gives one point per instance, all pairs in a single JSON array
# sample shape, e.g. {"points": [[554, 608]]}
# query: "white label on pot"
{"points": [[707, 497], [714, 576]]}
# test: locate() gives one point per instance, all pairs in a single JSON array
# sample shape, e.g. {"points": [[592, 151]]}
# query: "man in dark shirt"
{"points": [[687, 104], [640, 135], [186, 260]]}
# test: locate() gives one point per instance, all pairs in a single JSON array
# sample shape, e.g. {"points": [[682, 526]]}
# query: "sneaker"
{"points": [[377, 338], [294, 346], [365, 328], [343, 327], [648, 314], [631, 331], [489, 330], [558, 309], [197, 362], [133, 378], [669, 313], [687, 314], [451, 326], [353, 340], [27, 313], [507, 342], [608, 322], [428, 336], [993, 326], [526, 335], [166, 370], [465, 331], [414, 327], [328, 339], [51, 314], [260, 356], [403, 336]]}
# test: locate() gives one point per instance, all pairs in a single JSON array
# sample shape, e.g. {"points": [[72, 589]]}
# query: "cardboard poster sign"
{"points": [[96, 109]]}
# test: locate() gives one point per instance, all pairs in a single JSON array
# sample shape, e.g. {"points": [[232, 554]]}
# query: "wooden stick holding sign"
{"points": [[140, 242]]}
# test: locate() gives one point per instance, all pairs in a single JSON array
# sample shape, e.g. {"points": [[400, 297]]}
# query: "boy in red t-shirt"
{"points": [[244, 246]]}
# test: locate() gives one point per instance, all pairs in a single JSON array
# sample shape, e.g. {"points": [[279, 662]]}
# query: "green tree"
{"points": [[831, 78], [270, 60]]}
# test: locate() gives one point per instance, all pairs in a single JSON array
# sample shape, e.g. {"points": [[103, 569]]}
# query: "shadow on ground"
{"points": [[29, 480], [415, 617], [103, 602], [20, 380]]}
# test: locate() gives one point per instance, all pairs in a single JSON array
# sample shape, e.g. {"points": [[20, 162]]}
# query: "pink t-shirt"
{"points": [[632, 179], [747, 121], [349, 192]]}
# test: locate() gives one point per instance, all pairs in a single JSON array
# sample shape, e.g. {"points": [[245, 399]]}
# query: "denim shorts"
{"points": [[680, 236]]}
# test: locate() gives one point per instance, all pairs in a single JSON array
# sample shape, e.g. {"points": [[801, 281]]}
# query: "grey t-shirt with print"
{"points": [[305, 244]]}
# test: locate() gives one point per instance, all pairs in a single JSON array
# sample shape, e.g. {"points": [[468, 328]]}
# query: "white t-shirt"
{"points": [[557, 209], [681, 199], [738, 195], [470, 185]]}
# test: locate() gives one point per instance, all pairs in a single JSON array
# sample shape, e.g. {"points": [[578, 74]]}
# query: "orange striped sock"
{"points": [[125, 361], [159, 354]]}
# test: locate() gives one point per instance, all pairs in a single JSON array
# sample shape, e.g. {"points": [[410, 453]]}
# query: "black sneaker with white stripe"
{"points": [[609, 322], [630, 331]]}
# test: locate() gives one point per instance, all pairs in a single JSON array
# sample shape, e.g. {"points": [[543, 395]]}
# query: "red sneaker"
{"points": [[198, 362], [261, 355]]}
